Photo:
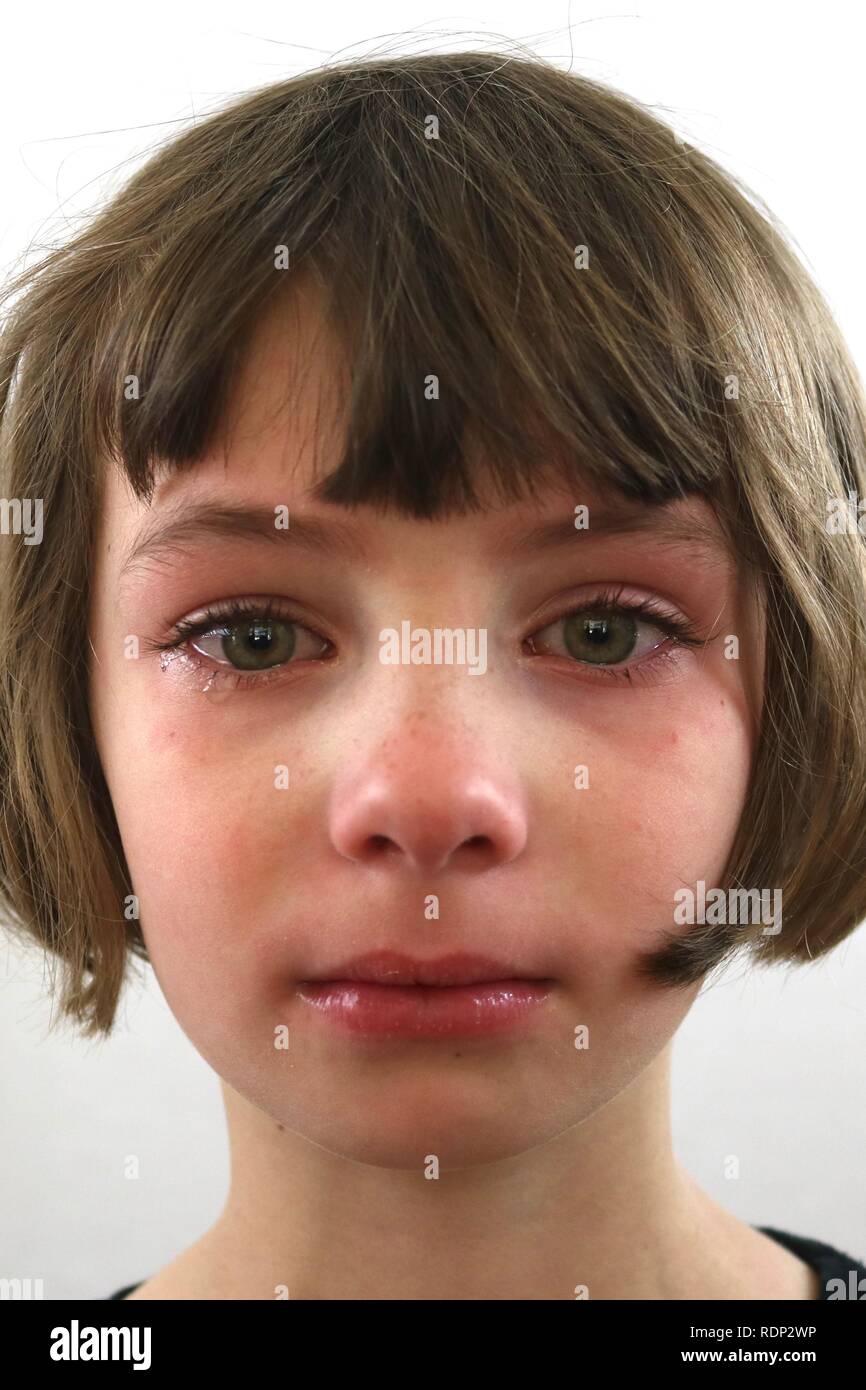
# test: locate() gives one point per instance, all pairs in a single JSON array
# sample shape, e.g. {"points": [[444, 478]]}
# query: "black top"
{"points": [[830, 1264]]}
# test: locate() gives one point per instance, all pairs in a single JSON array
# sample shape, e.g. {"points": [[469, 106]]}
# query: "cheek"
{"points": [[205, 877], [688, 795], [208, 837], [662, 810]]}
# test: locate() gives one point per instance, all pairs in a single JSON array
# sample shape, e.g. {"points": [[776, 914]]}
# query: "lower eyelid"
{"points": [[631, 671]]}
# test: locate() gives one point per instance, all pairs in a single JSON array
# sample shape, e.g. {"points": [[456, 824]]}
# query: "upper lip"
{"points": [[394, 968]]}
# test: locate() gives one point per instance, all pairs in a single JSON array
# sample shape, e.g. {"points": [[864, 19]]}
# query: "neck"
{"points": [[547, 1223]]}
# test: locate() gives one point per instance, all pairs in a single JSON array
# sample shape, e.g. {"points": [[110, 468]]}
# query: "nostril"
{"points": [[380, 843]]}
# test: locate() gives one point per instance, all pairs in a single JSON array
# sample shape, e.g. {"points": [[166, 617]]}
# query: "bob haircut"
{"points": [[600, 300]]}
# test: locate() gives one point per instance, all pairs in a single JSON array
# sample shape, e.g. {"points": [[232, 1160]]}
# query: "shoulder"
{"points": [[842, 1276]]}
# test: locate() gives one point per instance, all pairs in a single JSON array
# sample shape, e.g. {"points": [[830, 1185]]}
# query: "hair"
{"points": [[599, 299]]}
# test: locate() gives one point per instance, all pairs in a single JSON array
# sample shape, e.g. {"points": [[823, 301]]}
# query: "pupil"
{"points": [[595, 629]]}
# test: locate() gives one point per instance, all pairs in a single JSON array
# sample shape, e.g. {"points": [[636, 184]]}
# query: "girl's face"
{"points": [[287, 800]]}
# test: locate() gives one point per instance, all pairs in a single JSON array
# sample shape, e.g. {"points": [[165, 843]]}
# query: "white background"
{"points": [[768, 1066]]}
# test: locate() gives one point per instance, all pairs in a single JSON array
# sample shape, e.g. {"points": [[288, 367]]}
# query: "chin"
{"points": [[462, 1121]]}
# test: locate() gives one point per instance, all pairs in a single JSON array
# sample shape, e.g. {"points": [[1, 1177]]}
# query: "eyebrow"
{"points": [[693, 534], [167, 539]]}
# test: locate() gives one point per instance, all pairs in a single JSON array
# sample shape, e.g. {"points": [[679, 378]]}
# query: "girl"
{"points": [[373, 368]]}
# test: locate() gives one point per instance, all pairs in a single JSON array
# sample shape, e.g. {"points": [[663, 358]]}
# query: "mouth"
{"points": [[385, 994], [394, 968]]}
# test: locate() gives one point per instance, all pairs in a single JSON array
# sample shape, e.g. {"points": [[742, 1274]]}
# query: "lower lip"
{"points": [[423, 1011]]}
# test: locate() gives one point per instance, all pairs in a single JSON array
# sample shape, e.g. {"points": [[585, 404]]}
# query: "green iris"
{"points": [[255, 646], [600, 637]]}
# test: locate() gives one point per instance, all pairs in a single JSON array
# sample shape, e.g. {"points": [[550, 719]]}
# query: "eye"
{"points": [[245, 642], [607, 636], [257, 643]]}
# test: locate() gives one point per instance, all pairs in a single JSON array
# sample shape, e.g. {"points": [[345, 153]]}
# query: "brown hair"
{"points": [[442, 201]]}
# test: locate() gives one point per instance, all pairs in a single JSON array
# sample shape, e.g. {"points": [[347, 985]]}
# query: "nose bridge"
{"points": [[426, 786], [439, 648]]}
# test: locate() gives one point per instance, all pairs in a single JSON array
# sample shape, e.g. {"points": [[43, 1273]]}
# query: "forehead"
{"points": [[282, 430]]}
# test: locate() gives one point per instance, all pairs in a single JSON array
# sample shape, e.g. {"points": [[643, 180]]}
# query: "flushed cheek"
{"points": [[204, 890], [212, 843], [661, 811], [208, 836]]}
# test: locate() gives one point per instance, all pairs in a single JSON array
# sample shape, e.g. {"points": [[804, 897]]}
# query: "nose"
{"points": [[426, 811]]}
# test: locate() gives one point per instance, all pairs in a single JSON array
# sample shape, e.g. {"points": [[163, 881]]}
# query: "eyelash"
{"points": [[681, 632], [224, 618]]}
